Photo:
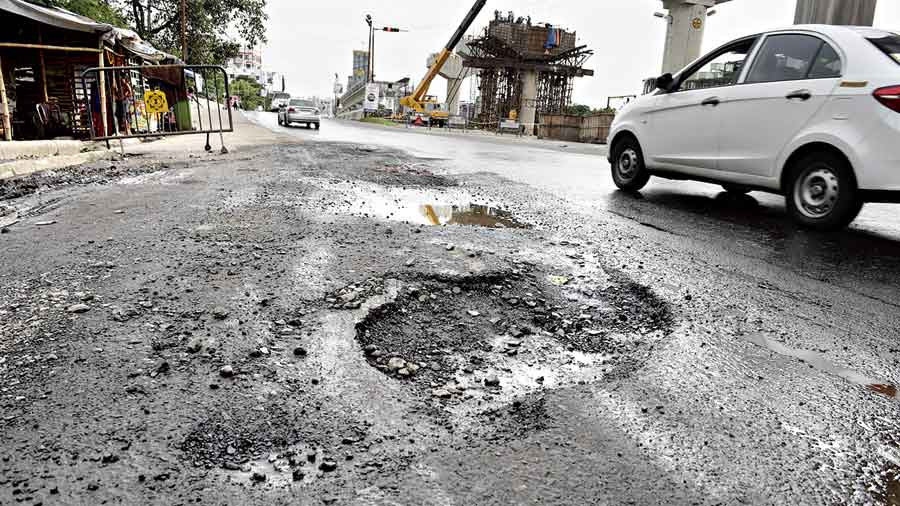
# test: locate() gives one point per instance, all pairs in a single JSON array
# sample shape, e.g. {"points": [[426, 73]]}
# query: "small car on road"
{"points": [[299, 111], [811, 112]]}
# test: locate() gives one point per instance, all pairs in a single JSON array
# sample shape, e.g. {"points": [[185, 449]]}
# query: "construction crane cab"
{"points": [[420, 103]]}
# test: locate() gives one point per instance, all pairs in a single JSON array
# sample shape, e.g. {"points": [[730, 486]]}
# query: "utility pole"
{"points": [[184, 51]]}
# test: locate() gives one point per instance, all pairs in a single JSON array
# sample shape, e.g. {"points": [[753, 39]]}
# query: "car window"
{"points": [[786, 57], [890, 44], [723, 69], [827, 64], [301, 103]]}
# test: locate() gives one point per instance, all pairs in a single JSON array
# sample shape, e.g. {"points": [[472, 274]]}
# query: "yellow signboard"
{"points": [[697, 23], [156, 102]]}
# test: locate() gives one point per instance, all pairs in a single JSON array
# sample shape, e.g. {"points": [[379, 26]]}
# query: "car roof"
{"points": [[839, 31]]}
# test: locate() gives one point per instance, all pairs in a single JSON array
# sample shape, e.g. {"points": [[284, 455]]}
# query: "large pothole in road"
{"points": [[511, 332]]}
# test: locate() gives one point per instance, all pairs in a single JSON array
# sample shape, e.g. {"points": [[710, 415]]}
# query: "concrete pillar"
{"points": [[454, 72], [4, 104], [836, 12], [528, 107], [684, 38], [453, 100]]}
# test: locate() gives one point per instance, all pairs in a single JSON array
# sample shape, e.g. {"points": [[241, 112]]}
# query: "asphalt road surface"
{"points": [[367, 315]]}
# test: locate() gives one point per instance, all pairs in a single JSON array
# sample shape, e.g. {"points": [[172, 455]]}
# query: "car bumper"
{"points": [[297, 118]]}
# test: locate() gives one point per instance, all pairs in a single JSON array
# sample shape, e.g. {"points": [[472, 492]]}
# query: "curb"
{"points": [[20, 168], [39, 149]]}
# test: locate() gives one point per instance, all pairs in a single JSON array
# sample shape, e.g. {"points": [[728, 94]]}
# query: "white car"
{"points": [[810, 112], [300, 111]]}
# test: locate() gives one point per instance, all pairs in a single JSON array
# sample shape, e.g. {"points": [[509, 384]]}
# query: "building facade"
{"points": [[248, 63]]}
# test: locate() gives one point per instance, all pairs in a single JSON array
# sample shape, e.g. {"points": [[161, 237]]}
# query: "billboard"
{"points": [[372, 96]]}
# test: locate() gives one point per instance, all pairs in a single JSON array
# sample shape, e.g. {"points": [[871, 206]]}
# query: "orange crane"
{"points": [[419, 101]]}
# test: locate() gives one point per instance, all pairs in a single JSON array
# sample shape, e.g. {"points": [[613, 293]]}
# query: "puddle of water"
{"points": [[818, 362], [472, 215], [546, 367], [437, 215]]}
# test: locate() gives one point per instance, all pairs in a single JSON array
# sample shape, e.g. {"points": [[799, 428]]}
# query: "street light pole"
{"points": [[369, 74]]}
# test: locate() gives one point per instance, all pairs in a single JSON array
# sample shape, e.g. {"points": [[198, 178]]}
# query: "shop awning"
{"points": [[59, 18]]}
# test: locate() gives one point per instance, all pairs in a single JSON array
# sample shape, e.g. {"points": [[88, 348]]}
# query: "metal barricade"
{"points": [[158, 101]]}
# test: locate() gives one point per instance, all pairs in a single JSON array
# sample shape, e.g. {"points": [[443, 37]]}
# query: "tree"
{"points": [[248, 90], [159, 23], [98, 10], [208, 22], [578, 110]]}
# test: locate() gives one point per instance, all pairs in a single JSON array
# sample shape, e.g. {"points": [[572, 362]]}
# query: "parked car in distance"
{"points": [[279, 100], [299, 111], [810, 112]]}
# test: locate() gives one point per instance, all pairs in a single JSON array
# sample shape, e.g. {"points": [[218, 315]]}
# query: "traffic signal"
{"points": [[389, 29]]}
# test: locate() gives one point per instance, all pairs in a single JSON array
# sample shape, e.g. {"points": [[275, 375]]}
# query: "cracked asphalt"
{"points": [[377, 316]]}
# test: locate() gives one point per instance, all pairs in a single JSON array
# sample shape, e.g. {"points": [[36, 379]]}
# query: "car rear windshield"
{"points": [[302, 103], [890, 44]]}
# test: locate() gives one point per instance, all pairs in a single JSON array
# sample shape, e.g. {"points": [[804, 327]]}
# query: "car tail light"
{"points": [[292, 110], [889, 96]]}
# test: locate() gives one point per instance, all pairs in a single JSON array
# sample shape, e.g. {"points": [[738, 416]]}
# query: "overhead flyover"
{"points": [[836, 12], [687, 23]]}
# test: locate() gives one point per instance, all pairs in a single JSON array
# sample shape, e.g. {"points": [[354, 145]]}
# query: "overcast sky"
{"points": [[311, 40]]}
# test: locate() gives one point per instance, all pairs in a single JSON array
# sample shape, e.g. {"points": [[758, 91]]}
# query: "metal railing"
{"points": [[158, 101]]}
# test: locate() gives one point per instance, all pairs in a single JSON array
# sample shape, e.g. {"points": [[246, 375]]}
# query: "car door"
{"points": [[683, 122], [792, 76]]}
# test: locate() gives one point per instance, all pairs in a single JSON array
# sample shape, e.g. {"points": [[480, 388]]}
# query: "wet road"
{"points": [[862, 258], [281, 325]]}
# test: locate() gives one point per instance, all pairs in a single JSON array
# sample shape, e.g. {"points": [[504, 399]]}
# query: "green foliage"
{"points": [[248, 90], [208, 22], [98, 10], [578, 110], [379, 121], [159, 23], [585, 110]]}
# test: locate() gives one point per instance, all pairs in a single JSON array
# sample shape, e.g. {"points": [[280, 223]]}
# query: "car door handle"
{"points": [[803, 95], [713, 101]]}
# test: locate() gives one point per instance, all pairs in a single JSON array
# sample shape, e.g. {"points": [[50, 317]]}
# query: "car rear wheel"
{"points": [[628, 170], [822, 193]]}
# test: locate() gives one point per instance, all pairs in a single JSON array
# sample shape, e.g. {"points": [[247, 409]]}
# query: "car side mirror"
{"points": [[665, 81]]}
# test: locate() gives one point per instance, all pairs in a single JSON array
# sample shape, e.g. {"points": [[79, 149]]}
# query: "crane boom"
{"points": [[414, 101]]}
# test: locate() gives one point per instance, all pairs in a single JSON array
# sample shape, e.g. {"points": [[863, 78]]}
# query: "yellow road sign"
{"points": [[156, 102]]}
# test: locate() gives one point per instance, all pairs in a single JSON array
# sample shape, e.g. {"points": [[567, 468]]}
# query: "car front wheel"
{"points": [[628, 170], [822, 193]]}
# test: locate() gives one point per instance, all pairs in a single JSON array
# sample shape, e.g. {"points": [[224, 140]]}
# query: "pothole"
{"points": [[509, 332]]}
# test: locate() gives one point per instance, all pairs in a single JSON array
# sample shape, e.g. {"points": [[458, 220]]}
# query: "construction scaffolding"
{"points": [[512, 49]]}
